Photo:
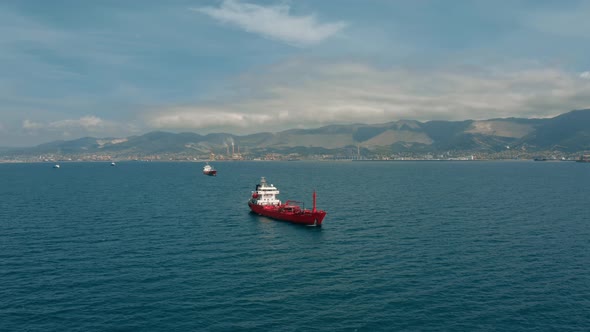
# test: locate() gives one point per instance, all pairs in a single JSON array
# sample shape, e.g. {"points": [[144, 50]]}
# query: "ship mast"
{"points": [[314, 210]]}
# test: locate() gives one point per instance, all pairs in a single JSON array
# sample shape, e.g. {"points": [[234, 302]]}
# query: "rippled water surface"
{"points": [[405, 246]]}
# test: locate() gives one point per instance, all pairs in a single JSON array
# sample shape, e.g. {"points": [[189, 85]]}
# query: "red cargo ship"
{"points": [[265, 203]]}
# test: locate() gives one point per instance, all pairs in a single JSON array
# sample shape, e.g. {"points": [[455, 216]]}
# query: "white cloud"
{"points": [[585, 75], [304, 94], [211, 118], [87, 123], [273, 22], [85, 126], [30, 125]]}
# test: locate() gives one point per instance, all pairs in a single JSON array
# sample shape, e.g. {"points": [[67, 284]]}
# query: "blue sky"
{"points": [[117, 68]]}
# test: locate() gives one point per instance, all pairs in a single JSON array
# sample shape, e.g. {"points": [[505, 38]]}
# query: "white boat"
{"points": [[208, 170], [56, 166], [113, 164]]}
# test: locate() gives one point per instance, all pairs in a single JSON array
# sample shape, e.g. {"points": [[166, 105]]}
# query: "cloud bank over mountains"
{"points": [[306, 94]]}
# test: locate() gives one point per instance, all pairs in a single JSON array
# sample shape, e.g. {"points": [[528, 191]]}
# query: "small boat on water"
{"points": [[56, 166], [265, 203], [113, 164], [209, 170]]}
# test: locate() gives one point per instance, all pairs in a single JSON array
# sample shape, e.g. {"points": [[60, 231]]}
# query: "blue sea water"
{"points": [[430, 246]]}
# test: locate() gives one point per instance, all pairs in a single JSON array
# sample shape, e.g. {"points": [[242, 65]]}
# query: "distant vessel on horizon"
{"points": [[113, 164], [209, 170], [56, 166]]}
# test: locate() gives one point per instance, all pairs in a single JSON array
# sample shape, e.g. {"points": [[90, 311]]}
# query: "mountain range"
{"points": [[568, 132]]}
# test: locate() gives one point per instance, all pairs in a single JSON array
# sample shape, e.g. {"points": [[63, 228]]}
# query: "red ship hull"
{"points": [[285, 212], [265, 203], [210, 173]]}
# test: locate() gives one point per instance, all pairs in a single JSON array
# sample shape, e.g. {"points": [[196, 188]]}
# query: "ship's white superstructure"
{"points": [[265, 194]]}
